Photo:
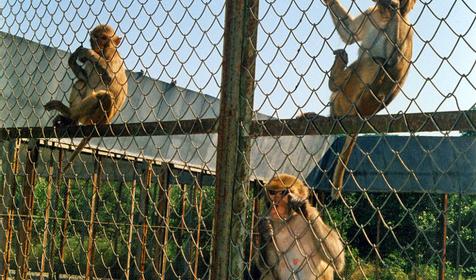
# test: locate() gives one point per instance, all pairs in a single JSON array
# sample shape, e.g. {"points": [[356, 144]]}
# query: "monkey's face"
{"points": [[393, 4], [103, 37], [278, 196], [278, 203], [405, 6]]}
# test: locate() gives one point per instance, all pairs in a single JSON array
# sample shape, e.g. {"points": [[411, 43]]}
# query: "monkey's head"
{"points": [[103, 38], [405, 6], [282, 184]]}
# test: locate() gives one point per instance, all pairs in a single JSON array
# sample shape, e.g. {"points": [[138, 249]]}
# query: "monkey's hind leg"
{"points": [[94, 109], [339, 74], [58, 106], [64, 119], [340, 78]]}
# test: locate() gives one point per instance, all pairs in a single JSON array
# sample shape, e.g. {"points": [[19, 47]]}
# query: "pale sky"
{"points": [[182, 40]]}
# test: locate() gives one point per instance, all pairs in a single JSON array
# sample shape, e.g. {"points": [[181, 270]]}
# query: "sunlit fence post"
{"points": [[233, 149]]}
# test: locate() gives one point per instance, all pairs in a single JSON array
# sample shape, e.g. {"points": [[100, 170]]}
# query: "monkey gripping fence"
{"points": [[171, 191]]}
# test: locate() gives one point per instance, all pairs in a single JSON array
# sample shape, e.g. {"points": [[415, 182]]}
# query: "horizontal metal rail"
{"points": [[409, 123]]}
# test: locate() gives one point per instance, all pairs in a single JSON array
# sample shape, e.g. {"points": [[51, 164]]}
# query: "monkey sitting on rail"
{"points": [[385, 39], [294, 241], [101, 87]]}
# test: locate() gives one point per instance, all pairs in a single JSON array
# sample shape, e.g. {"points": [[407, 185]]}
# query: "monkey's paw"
{"points": [[266, 230], [342, 55], [296, 203], [83, 54]]}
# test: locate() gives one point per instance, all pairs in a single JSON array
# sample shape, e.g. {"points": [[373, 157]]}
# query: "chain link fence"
{"points": [[176, 186]]}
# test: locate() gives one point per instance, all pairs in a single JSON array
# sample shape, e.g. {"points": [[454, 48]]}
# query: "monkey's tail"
{"points": [[342, 161], [81, 145]]}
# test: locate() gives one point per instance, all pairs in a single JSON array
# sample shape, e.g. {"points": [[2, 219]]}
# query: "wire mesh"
{"points": [[141, 206]]}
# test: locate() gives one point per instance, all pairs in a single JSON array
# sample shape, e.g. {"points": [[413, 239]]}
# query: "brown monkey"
{"points": [[101, 87], [385, 38], [294, 241]]}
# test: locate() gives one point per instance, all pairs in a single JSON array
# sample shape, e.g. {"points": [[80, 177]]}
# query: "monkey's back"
{"points": [[390, 77], [375, 81], [112, 95]]}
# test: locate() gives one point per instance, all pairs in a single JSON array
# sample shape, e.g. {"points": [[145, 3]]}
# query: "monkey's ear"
{"points": [[117, 40]]}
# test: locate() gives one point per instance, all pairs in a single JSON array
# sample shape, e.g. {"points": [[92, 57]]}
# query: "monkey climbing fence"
{"points": [[171, 191]]}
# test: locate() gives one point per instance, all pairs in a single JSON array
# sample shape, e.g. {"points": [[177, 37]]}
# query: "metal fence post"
{"points": [[131, 228], [54, 208], [26, 210], [96, 182], [143, 223], [444, 229], [44, 243], [233, 148], [161, 221], [10, 165], [198, 206]]}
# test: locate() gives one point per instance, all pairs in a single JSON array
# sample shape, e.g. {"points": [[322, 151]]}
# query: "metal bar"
{"points": [[54, 207], [377, 246], [163, 213], [165, 237], [444, 226], [227, 139], [459, 240], [44, 243], [92, 220], [190, 228], [26, 210], [143, 223], [377, 241], [198, 188], [254, 219], [183, 238], [10, 166], [131, 228], [179, 238], [233, 146], [117, 215], [64, 227], [198, 126], [403, 122]]}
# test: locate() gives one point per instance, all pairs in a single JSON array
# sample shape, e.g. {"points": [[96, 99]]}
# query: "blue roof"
{"points": [[403, 164]]}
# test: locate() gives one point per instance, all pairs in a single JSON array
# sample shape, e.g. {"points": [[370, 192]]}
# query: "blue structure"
{"points": [[403, 164]]}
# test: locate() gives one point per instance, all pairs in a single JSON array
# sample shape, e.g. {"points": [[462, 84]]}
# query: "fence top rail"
{"points": [[319, 125]]}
